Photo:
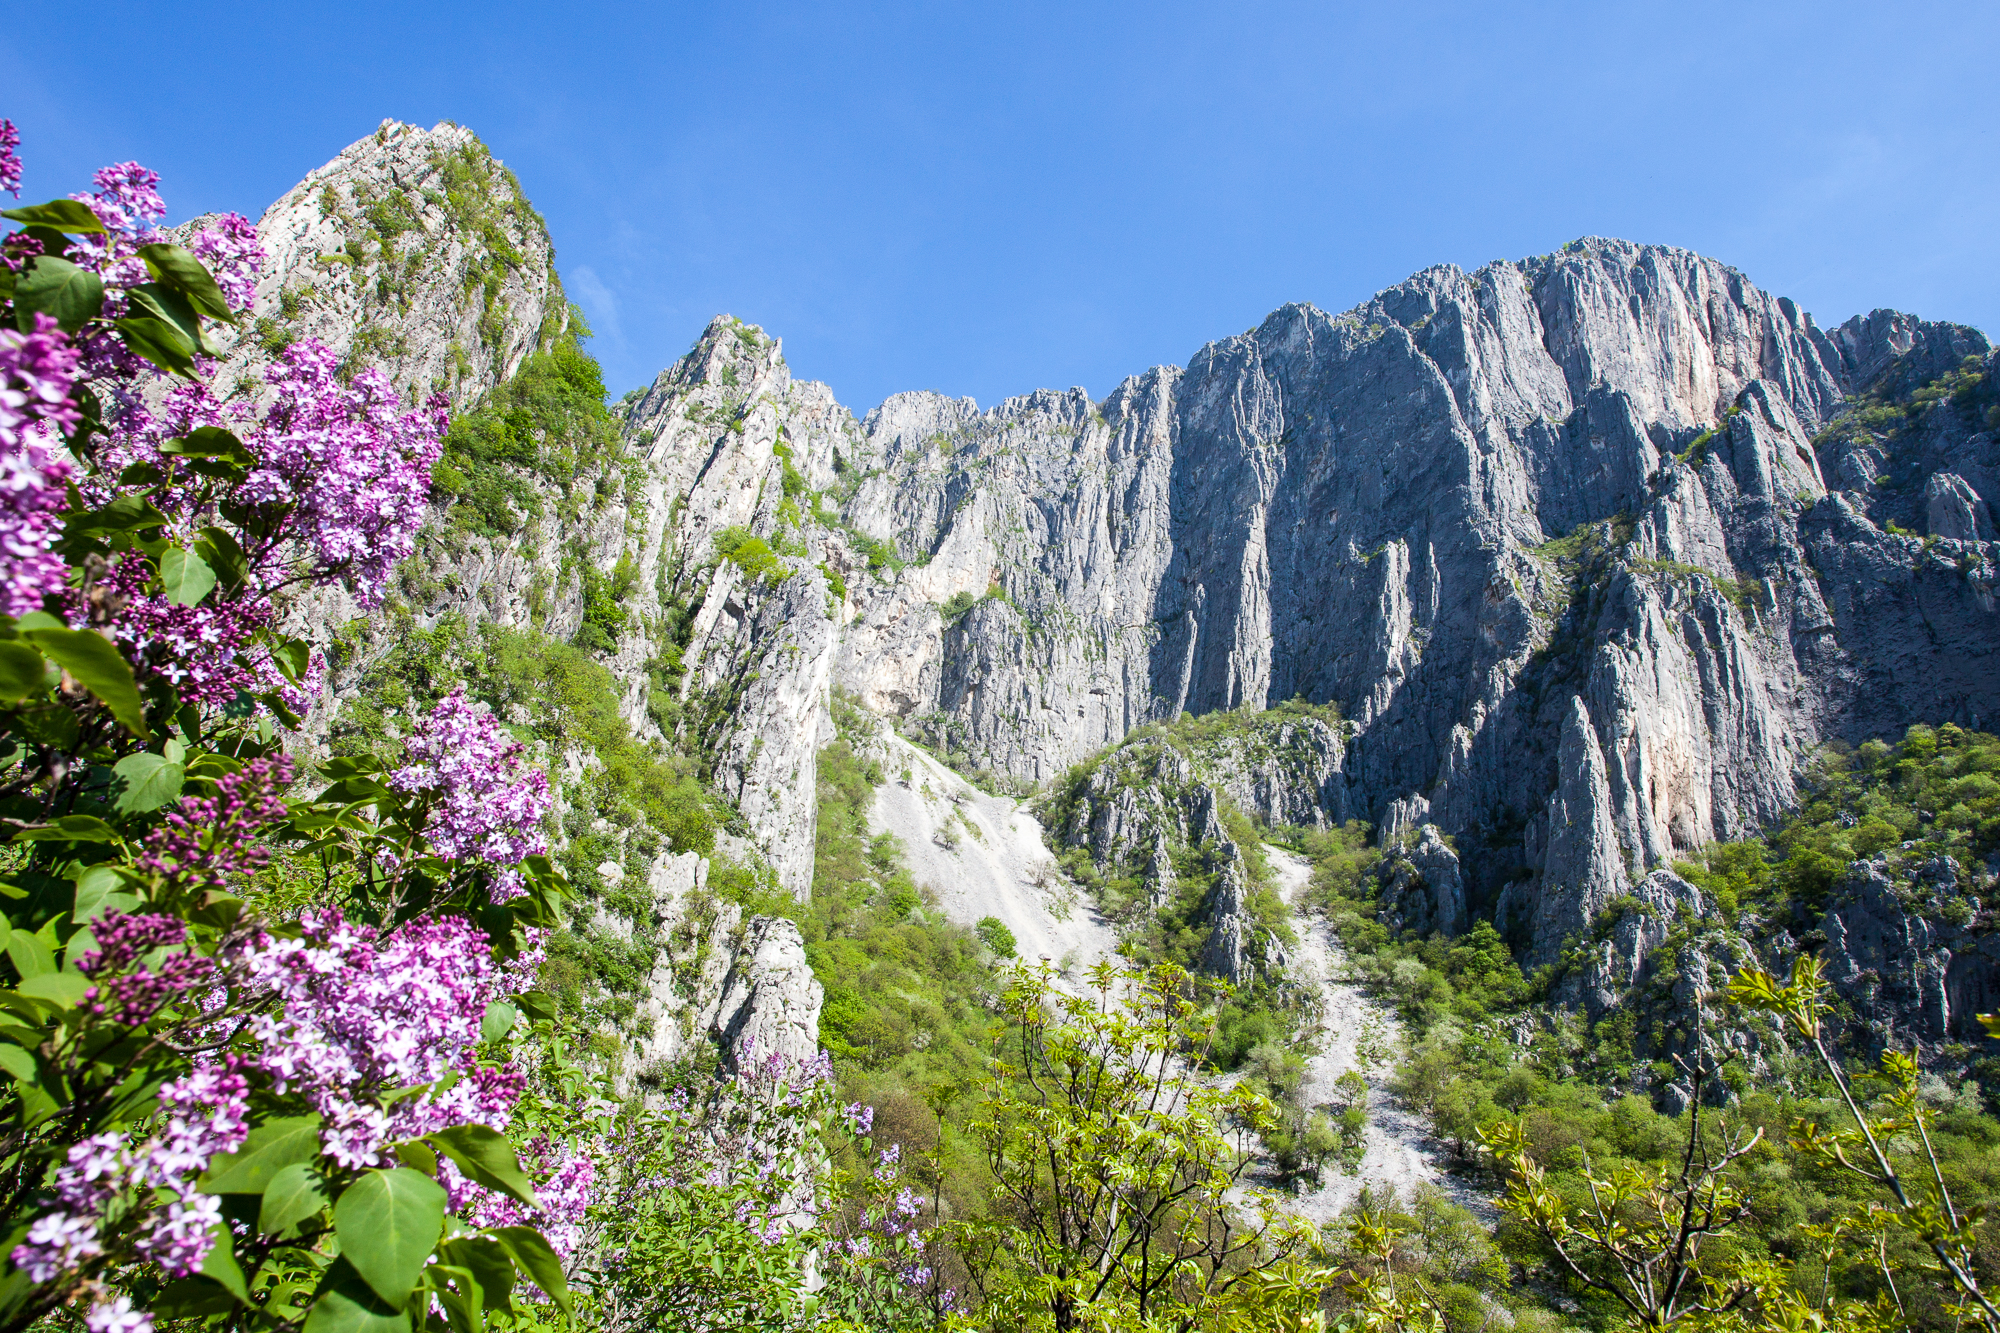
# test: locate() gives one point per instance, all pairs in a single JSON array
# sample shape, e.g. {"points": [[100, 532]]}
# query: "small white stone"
{"points": [[611, 872]]}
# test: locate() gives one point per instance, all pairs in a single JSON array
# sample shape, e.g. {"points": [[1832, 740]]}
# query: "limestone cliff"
{"points": [[1558, 537], [1590, 551], [413, 250]]}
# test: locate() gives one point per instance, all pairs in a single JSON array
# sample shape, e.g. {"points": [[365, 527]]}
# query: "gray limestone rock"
{"points": [[413, 250], [1584, 868], [1909, 975], [1463, 511], [1953, 509], [770, 999], [1625, 957], [1589, 550], [1422, 889]]}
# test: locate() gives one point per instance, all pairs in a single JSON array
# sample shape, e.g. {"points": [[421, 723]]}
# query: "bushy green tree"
{"points": [[1115, 1164]]}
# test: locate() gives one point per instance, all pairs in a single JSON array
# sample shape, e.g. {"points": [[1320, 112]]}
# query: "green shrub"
{"points": [[752, 555], [548, 423], [993, 932]]}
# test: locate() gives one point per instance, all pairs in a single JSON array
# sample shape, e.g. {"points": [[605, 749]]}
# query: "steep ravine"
{"points": [[1357, 1032]]}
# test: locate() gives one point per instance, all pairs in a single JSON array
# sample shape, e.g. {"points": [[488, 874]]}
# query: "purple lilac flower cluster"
{"points": [[484, 806], [229, 248], [10, 158], [127, 202], [564, 1188], [365, 1015], [203, 1114], [347, 461], [355, 465], [126, 990], [37, 371], [211, 842], [197, 648], [351, 463]]}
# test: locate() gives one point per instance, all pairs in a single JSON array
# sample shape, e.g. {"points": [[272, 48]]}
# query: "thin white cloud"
{"points": [[600, 305]]}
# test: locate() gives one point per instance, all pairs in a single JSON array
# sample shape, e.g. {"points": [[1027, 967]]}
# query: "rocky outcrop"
{"points": [[1422, 889], [1166, 813], [770, 1000], [1622, 951], [413, 250], [1589, 551], [1954, 510], [742, 985], [1911, 975]]}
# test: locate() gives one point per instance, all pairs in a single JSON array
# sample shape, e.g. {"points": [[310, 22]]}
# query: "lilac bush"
{"points": [[353, 467], [465, 768], [720, 1207], [358, 1018], [10, 158], [230, 250], [37, 373], [206, 1106]]}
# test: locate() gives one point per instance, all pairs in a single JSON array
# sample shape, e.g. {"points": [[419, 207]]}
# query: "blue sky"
{"points": [[989, 198]]}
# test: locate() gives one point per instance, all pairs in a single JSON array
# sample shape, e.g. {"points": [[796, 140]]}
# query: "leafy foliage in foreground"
{"points": [[250, 1123]]}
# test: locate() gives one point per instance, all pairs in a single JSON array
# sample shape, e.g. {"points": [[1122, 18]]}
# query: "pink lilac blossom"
{"points": [[352, 464], [363, 1016], [18, 249], [196, 648], [31, 501], [206, 1114], [564, 1178], [483, 805], [176, 408], [263, 677], [117, 1316], [127, 201], [37, 371], [211, 842], [125, 989], [10, 158], [233, 255]]}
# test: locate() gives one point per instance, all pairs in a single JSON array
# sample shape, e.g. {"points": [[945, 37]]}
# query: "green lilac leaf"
{"points": [[70, 295], [22, 670], [389, 1222], [150, 781], [66, 215], [186, 575], [94, 662], [293, 1195], [271, 1147]]}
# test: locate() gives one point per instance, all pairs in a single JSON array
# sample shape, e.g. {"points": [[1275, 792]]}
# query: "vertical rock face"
{"points": [[1422, 887], [1556, 536], [1590, 551]]}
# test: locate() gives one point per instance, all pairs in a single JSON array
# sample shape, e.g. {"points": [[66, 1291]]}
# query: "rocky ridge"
{"points": [[1590, 551], [414, 250], [1556, 536]]}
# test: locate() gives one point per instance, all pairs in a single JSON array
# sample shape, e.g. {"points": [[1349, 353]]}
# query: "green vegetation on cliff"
{"points": [[546, 424], [1934, 793]]}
